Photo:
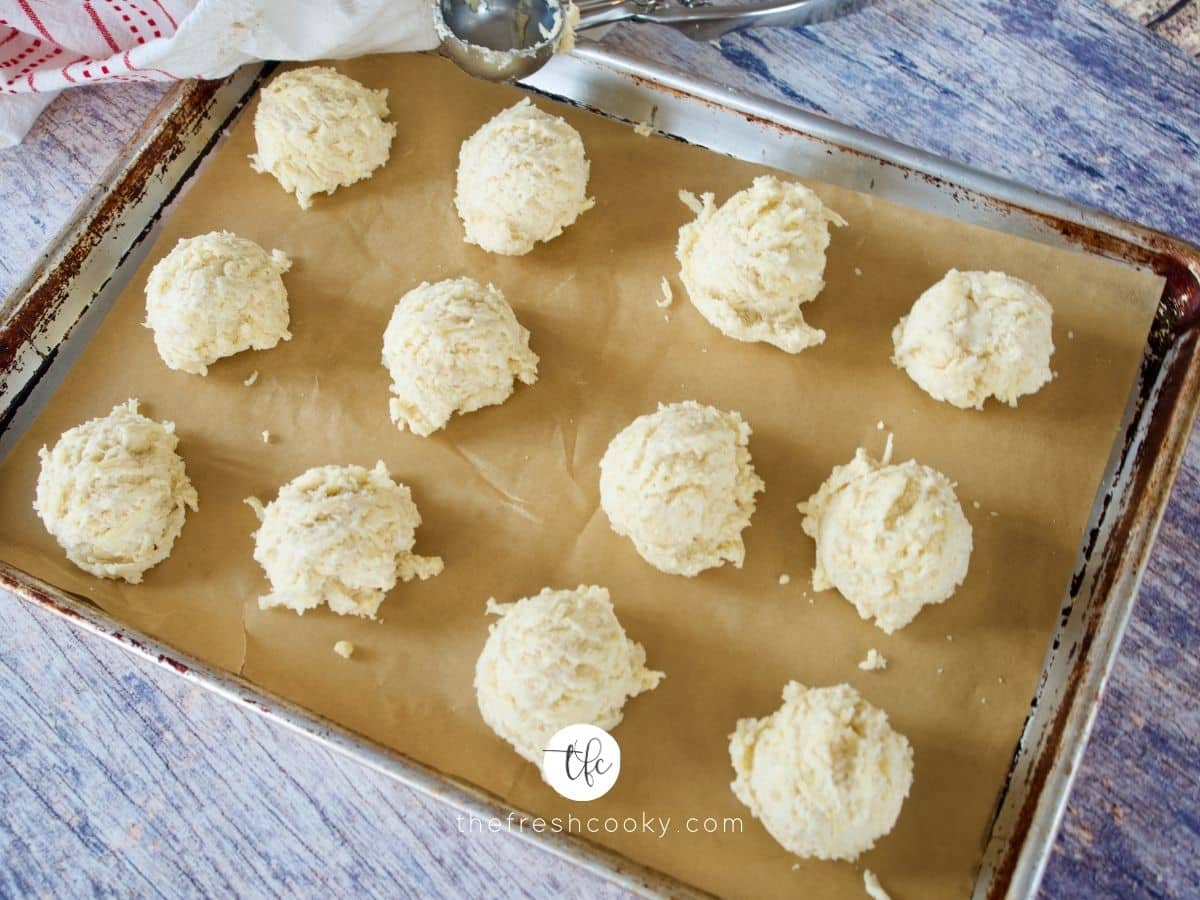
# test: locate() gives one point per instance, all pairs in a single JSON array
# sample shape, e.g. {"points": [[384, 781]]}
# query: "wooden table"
{"points": [[117, 778]]}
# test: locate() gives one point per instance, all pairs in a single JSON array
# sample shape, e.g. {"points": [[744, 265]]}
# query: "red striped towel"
{"points": [[49, 45]]}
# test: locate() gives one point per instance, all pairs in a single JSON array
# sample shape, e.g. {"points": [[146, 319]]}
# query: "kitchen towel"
{"points": [[49, 45]]}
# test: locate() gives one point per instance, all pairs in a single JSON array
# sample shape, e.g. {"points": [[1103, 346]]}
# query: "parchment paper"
{"points": [[510, 499]]}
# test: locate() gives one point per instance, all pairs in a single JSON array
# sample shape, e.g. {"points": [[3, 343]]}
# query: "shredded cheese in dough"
{"points": [[453, 347], [339, 535], [751, 263], [318, 130], [215, 295], [976, 335], [114, 492], [825, 773], [553, 660], [522, 178], [680, 484]]}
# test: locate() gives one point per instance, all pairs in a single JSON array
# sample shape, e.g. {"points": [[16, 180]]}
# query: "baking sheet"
{"points": [[509, 494]]}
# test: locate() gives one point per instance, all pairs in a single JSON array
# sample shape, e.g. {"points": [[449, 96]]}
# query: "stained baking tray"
{"points": [[46, 320]]}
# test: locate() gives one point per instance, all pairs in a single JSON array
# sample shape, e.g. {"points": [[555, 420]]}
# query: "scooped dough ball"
{"points": [[557, 659], [318, 130], [975, 335], [340, 535], [680, 484], [890, 538], [749, 264], [453, 346], [114, 493], [213, 296], [522, 178], [825, 773]]}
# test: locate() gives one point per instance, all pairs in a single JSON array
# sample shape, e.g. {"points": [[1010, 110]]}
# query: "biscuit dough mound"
{"points": [[522, 178], [975, 335], [825, 773], [749, 264], [114, 493], [317, 130], [890, 538], [555, 659], [680, 484], [453, 347], [341, 535], [215, 295]]}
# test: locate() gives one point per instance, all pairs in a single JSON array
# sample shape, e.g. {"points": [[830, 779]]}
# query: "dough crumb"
{"points": [[667, 294], [994, 514], [344, 649], [940, 669], [975, 503], [976, 335], [949, 637], [872, 886], [266, 436], [879, 426], [785, 579], [251, 379], [857, 270], [645, 129], [680, 484], [555, 659], [826, 773], [874, 661], [1070, 335], [749, 264]]}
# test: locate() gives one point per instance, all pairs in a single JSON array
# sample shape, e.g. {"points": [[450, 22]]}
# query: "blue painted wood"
{"points": [[116, 778], [1069, 97]]}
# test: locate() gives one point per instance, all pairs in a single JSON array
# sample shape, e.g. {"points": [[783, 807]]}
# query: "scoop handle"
{"points": [[704, 20]]}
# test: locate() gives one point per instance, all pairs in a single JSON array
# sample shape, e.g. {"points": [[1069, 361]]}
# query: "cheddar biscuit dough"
{"points": [[338, 535], [555, 659], [114, 493], [317, 130]]}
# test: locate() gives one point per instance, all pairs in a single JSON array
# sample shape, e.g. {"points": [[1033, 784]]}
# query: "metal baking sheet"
{"points": [[54, 311]]}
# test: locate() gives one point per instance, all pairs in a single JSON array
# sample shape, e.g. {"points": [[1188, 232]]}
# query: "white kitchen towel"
{"points": [[49, 45]]}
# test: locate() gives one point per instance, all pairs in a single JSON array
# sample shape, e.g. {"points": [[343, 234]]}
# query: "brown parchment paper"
{"points": [[510, 499]]}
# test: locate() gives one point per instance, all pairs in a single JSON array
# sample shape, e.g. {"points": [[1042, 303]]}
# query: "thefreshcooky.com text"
{"points": [[659, 826]]}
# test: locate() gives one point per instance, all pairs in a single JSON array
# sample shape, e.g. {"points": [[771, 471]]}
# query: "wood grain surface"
{"points": [[118, 779]]}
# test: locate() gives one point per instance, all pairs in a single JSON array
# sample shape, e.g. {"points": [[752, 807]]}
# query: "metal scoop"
{"points": [[504, 40]]}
